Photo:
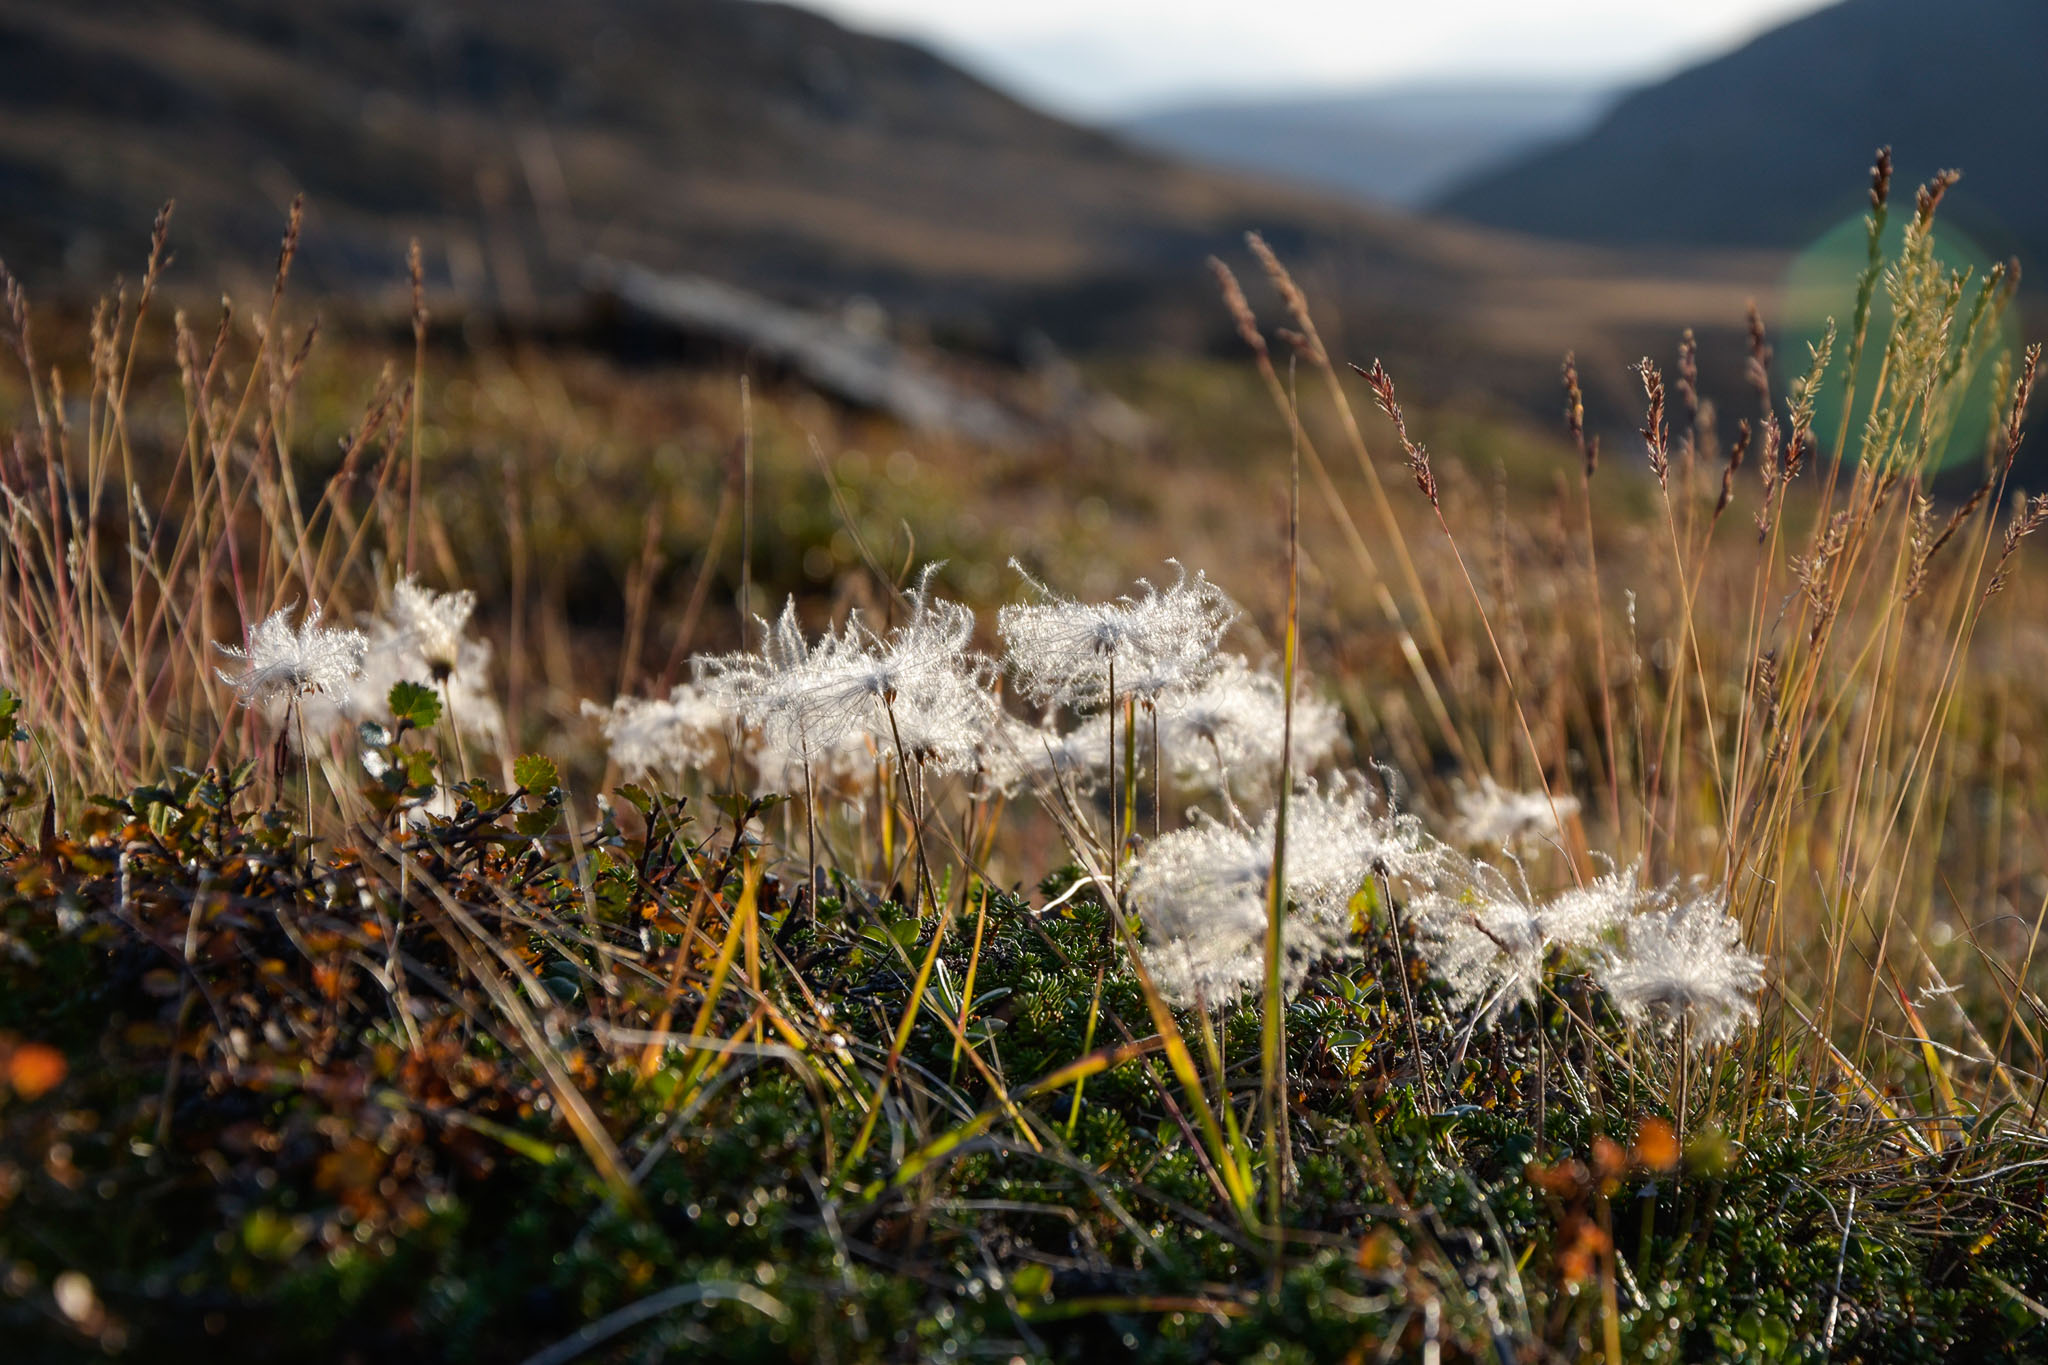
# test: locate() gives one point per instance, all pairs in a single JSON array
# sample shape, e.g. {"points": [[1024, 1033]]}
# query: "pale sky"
{"points": [[1094, 58]]}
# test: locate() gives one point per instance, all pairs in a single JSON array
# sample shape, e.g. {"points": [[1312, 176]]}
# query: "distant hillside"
{"points": [[1398, 146], [1761, 147], [756, 143], [750, 143]]}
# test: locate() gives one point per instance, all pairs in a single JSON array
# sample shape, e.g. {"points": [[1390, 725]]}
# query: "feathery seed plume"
{"points": [[1201, 891], [1685, 964], [1068, 653], [421, 638], [1489, 937], [921, 689], [285, 663], [666, 736], [1226, 733], [1491, 816]]}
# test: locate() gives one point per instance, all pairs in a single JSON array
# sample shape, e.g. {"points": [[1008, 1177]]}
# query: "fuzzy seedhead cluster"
{"points": [[1202, 892], [920, 694], [325, 676], [1149, 645], [840, 711]]}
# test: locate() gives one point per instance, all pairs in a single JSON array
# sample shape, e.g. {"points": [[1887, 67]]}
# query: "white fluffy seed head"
{"points": [[1685, 965], [1490, 816], [764, 688], [282, 663], [1226, 733], [1490, 939], [430, 624], [419, 638], [1018, 757], [665, 737], [844, 771], [920, 692], [1337, 837], [1201, 892], [1088, 654]]}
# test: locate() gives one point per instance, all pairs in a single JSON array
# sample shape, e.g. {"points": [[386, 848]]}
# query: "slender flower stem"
{"points": [[1273, 1031]]}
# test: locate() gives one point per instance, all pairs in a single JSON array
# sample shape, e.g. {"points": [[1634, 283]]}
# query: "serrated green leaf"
{"points": [[480, 793], [637, 797], [736, 806], [531, 824], [414, 704], [536, 773], [418, 766]]}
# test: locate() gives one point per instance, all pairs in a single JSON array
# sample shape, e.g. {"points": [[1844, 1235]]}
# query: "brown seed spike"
{"points": [[1575, 414], [1654, 436], [1736, 451], [1881, 179], [1929, 196], [1239, 307], [1382, 385], [415, 265], [1574, 401], [288, 249], [1760, 356], [2021, 393]]}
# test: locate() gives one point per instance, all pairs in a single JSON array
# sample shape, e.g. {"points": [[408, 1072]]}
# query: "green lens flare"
{"points": [[1821, 283]]}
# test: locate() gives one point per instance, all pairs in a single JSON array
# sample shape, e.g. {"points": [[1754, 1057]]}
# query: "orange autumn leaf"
{"points": [[33, 1070]]}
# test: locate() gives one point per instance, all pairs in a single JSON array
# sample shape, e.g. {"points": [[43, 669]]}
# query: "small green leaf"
{"points": [[536, 773], [418, 766], [637, 797], [10, 707], [480, 794], [736, 807], [531, 824], [414, 704]]}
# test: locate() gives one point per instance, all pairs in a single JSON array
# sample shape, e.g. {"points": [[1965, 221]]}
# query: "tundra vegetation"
{"points": [[1586, 910]]}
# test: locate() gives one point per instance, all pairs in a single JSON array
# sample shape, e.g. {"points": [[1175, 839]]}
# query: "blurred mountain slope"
{"points": [[1400, 146], [1750, 149], [752, 143]]}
